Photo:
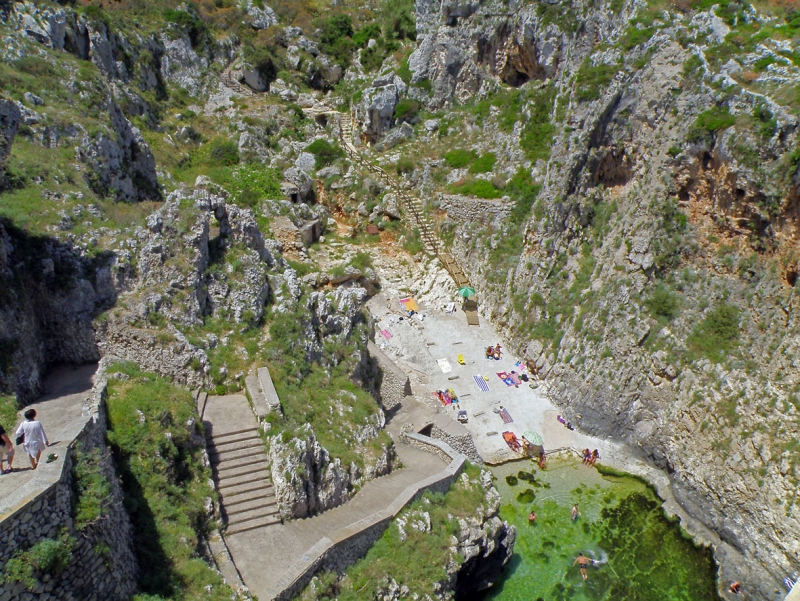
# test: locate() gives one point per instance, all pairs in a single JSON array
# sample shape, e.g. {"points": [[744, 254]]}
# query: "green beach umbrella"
{"points": [[467, 291], [533, 438]]}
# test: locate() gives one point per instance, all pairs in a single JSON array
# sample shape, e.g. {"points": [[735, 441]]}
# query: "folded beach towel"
{"points": [[505, 416], [521, 367], [386, 334], [481, 383], [515, 379], [444, 365]]}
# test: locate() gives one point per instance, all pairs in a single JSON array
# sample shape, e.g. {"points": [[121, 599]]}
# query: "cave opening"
{"points": [[791, 277]]}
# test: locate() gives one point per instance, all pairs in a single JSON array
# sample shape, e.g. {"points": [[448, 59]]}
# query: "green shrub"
{"points": [[398, 19], [406, 110], [459, 158], [249, 184], [537, 135], [404, 165], [592, 79], [367, 33], [663, 303], [479, 188], [336, 38], [710, 122], [717, 333], [191, 23], [91, 488], [362, 261], [483, 164], [404, 72], [324, 152], [523, 192], [222, 152], [634, 36], [48, 556]]}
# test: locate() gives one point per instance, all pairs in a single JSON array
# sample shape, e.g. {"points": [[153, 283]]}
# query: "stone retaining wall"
{"points": [[102, 566], [349, 544], [465, 209], [395, 384], [463, 444]]}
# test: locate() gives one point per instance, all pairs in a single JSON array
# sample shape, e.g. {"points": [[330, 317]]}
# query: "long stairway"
{"points": [[412, 205], [240, 466]]}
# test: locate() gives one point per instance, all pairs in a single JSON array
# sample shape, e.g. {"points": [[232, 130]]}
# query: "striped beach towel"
{"points": [[481, 383], [505, 416], [386, 334]]}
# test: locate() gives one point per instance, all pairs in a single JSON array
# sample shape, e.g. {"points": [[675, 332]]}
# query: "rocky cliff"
{"points": [[653, 281]]}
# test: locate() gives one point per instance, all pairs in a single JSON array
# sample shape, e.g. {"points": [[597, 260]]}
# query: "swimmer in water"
{"points": [[582, 562], [575, 512], [531, 517]]}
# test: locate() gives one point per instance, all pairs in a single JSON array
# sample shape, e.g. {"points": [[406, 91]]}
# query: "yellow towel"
{"points": [[461, 359]]}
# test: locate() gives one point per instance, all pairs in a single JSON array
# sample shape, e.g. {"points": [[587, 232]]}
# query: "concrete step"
{"points": [[243, 511], [237, 454], [234, 490], [255, 494], [260, 522], [233, 444], [220, 437], [254, 514], [225, 485], [229, 471]]}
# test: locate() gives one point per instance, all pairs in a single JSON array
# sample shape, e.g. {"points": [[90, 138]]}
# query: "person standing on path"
{"points": [[35, 439], [6, 451]]}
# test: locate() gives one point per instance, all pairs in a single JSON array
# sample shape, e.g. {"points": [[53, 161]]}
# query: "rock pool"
{"points": [[641, 554]]}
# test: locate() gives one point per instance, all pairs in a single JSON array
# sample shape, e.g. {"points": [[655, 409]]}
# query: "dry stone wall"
{"points": [[465, 209], [394, 383], [102, 566]]}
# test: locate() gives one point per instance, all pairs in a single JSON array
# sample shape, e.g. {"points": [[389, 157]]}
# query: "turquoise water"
{"points": [[641, 555]]}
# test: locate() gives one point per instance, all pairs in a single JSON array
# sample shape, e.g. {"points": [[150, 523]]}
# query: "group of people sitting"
{"points": [[590, 457], [493, 352]]}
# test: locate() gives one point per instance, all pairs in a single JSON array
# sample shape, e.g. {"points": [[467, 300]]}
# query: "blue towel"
{"points": [[481, 383]]}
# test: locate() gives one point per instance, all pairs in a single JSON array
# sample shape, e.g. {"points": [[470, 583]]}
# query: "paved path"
{"points": [[262, 556], [61, 412]]}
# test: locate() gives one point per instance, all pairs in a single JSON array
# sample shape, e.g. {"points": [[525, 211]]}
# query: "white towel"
{"points": [[444, 364]]}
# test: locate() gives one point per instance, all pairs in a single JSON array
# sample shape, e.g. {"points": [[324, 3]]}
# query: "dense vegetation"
{"points": [[157, 444]]}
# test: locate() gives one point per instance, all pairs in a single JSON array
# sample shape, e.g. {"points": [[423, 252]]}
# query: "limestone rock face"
{"points": [[376, 110], [124, 166], [9, 124], [261, 17], [181, 65], [306, 480]]}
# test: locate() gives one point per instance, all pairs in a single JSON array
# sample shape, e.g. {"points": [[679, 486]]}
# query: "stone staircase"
{"points": [[243, 479]]}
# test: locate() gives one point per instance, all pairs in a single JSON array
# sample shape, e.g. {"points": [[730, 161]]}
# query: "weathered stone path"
{"points": [[61, 411], [265, 556]]}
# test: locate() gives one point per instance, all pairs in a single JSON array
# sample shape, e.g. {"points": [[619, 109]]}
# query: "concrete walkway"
{"points": [[61, 411], [263, 556]]}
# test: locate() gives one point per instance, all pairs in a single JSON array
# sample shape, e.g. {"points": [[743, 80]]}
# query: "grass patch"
{"points": [[663, 303], [47, 557], [592, 79], [484, 163], [717, 333], [8, 412], [91, 488], [250, 184], [164, 484], [480, 188], [459, 158], [709, 122]]}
